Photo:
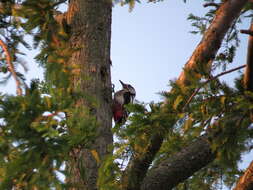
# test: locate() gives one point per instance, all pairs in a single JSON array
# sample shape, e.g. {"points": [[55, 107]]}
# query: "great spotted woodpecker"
{"points": [[121, 98]]}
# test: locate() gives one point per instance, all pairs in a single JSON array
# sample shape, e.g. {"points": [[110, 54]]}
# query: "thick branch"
{"points": [[250, 32], [11, 67], [211, 42], [138, 166], [211, 4], [248, 75], [203, 54], [180, 166], [246, 180]]}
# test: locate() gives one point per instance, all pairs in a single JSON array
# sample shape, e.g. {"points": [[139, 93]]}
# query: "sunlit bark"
{"points": [[248, 76], [245, 182], [206, 50]]}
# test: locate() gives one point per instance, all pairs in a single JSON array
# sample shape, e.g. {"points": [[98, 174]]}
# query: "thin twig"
{"points": [[11, 67], [211, 4], [250, 32], [203, 84]]}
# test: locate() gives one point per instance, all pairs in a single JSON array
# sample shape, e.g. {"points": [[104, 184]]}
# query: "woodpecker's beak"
{"points": [[122, 83]]}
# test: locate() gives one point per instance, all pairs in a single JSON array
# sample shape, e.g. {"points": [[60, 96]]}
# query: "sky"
{"points": [[150, 46]]}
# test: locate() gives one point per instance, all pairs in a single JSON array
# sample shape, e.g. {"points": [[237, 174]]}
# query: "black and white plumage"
{"points": [[121, 98]]}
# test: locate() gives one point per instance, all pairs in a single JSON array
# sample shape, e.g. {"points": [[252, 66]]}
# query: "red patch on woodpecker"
{"points": [[118, 113]]}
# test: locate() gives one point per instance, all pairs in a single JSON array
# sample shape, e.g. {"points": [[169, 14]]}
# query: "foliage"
{"points": [[39, 128], [218, 110], [230, 43]]}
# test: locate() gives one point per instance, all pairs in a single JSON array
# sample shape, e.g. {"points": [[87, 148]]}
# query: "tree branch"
{"points": [[206, 82], [248, 75], [204, 54], [211, 41], [11, 67], [250, 32], [211, 4], [245, 182], [180, 166], [138, 166], [183, 164]]}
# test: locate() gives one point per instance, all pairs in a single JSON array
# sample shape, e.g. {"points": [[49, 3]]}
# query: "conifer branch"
{"points": [[11, 67], [206, 50], [249, 32], [209, 80], [59, 16], [204, 54]]}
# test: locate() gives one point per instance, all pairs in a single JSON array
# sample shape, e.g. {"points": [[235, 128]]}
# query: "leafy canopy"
{"points": [[41, 127]]}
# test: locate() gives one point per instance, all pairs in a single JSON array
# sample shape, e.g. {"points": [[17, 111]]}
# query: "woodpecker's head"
{"points": [[130, 89]]}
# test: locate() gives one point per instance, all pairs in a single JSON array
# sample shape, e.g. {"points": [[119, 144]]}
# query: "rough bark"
{"points": [[245, 182], [204, 54], [90, 22], [179, 166]]}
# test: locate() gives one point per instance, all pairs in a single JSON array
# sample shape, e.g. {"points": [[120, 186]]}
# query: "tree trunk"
{"points": [[90, 23]]}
